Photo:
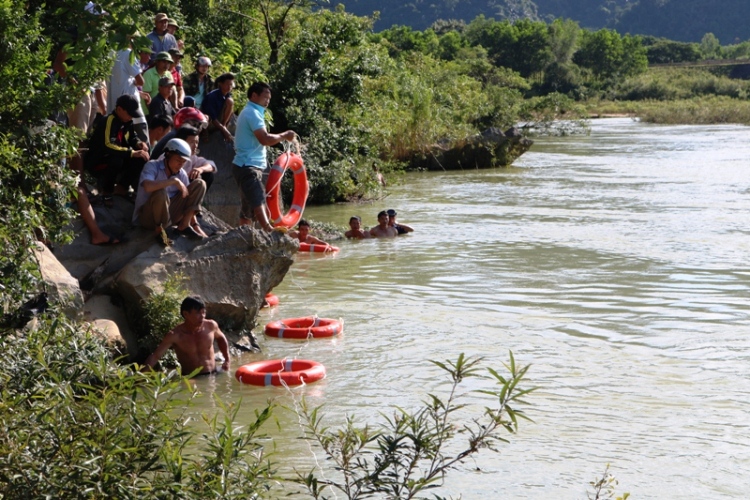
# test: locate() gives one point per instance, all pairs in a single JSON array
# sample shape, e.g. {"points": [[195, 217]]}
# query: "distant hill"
{"points": [[682, 20]]}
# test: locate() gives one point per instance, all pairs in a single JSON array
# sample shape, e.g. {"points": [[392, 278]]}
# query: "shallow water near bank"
{"points": [[615, 264]]}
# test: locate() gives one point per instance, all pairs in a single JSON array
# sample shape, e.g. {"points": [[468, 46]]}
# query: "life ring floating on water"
{"points": [[280, 372], [271, 300], [314, 248], [302, 328], [273, 188]]}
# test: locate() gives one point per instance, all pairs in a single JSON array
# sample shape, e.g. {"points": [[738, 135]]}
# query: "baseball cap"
{"points": [[130, 104], [163, 56], [165, 82], [161, 16]]}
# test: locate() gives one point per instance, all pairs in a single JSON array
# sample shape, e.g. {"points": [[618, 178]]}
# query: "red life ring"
{"points": [[301, 189], [302, 328], [271, 300], [280, 372], [314, 247]]}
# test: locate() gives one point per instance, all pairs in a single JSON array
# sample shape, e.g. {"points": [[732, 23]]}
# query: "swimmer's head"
{"points": [[355, 222], [192, 303], [303, 222], [391, 212], [355, 217]]}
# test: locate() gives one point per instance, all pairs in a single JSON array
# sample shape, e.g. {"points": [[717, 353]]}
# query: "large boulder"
{"points": [[94, 266], [232, 272], [223, 199], [491, 148], [60, 286]]}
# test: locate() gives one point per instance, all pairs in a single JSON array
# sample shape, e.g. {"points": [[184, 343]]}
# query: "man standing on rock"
{"points": [[193, 340], [251, 139]]}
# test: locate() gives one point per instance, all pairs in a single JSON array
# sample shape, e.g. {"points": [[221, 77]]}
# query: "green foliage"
{"points": [[161, 313], [710, 46], [75, 425], [412, 451], [522, 46], [608, 56], [667, 51], [698, 110], [679, 83]]}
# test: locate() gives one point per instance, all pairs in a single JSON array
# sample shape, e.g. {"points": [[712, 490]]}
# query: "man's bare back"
{"points": [[193, 342]]}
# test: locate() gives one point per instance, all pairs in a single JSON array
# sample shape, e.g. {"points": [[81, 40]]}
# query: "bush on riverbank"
{"points": [[75, 425]]}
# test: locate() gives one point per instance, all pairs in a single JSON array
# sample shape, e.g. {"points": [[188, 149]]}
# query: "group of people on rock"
{"points": [[142, 128]]}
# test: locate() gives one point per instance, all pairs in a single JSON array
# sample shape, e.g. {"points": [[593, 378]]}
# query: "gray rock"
{"points": [[61, 287], [232, 272], [95, 265], [223, 199]]}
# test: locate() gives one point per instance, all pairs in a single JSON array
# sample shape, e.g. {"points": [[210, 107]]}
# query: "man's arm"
{"points": [[150, 186], [267, 139], [163, 347], [315, 241], [221, 340], [406, 228]]}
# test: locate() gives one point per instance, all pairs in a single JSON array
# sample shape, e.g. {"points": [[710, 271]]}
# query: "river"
{"points": [[616, 264]]}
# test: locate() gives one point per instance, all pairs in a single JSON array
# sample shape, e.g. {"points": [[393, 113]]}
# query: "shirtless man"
{"points": [[303, 228], [356, 232], [383, 230], [193, 340]]}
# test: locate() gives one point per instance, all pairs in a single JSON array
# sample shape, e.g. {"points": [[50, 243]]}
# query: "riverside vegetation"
{"points": [[74, 424]]}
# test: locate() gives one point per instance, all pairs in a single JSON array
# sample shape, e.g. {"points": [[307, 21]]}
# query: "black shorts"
{"points": [[251, 181]]}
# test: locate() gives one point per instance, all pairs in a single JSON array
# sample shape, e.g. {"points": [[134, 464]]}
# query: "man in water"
{"points": [[303, 228], [356, 232], [383, 230], [193, 340], [401, 228]]}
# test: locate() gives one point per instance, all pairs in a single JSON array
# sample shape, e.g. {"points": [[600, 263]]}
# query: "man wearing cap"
{"points": [[160, 105], [401, 228], [161, 40], [179, 94], [218, 106], [199, 83], [383, 230], [167, 197], [172, 28], [115, 152], [250, 158], [160, 70]]}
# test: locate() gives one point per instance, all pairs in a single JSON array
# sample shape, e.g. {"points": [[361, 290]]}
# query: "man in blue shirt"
{"points": [[250, 143], [218, 106], [161, 40]]}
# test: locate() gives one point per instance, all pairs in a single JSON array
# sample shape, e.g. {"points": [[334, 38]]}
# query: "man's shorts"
{"points": [[251, 181]]}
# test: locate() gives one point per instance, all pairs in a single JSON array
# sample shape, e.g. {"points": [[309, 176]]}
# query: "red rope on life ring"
{"points": [[302, 328], [280, 372], [301, 189], [314, 247]]}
